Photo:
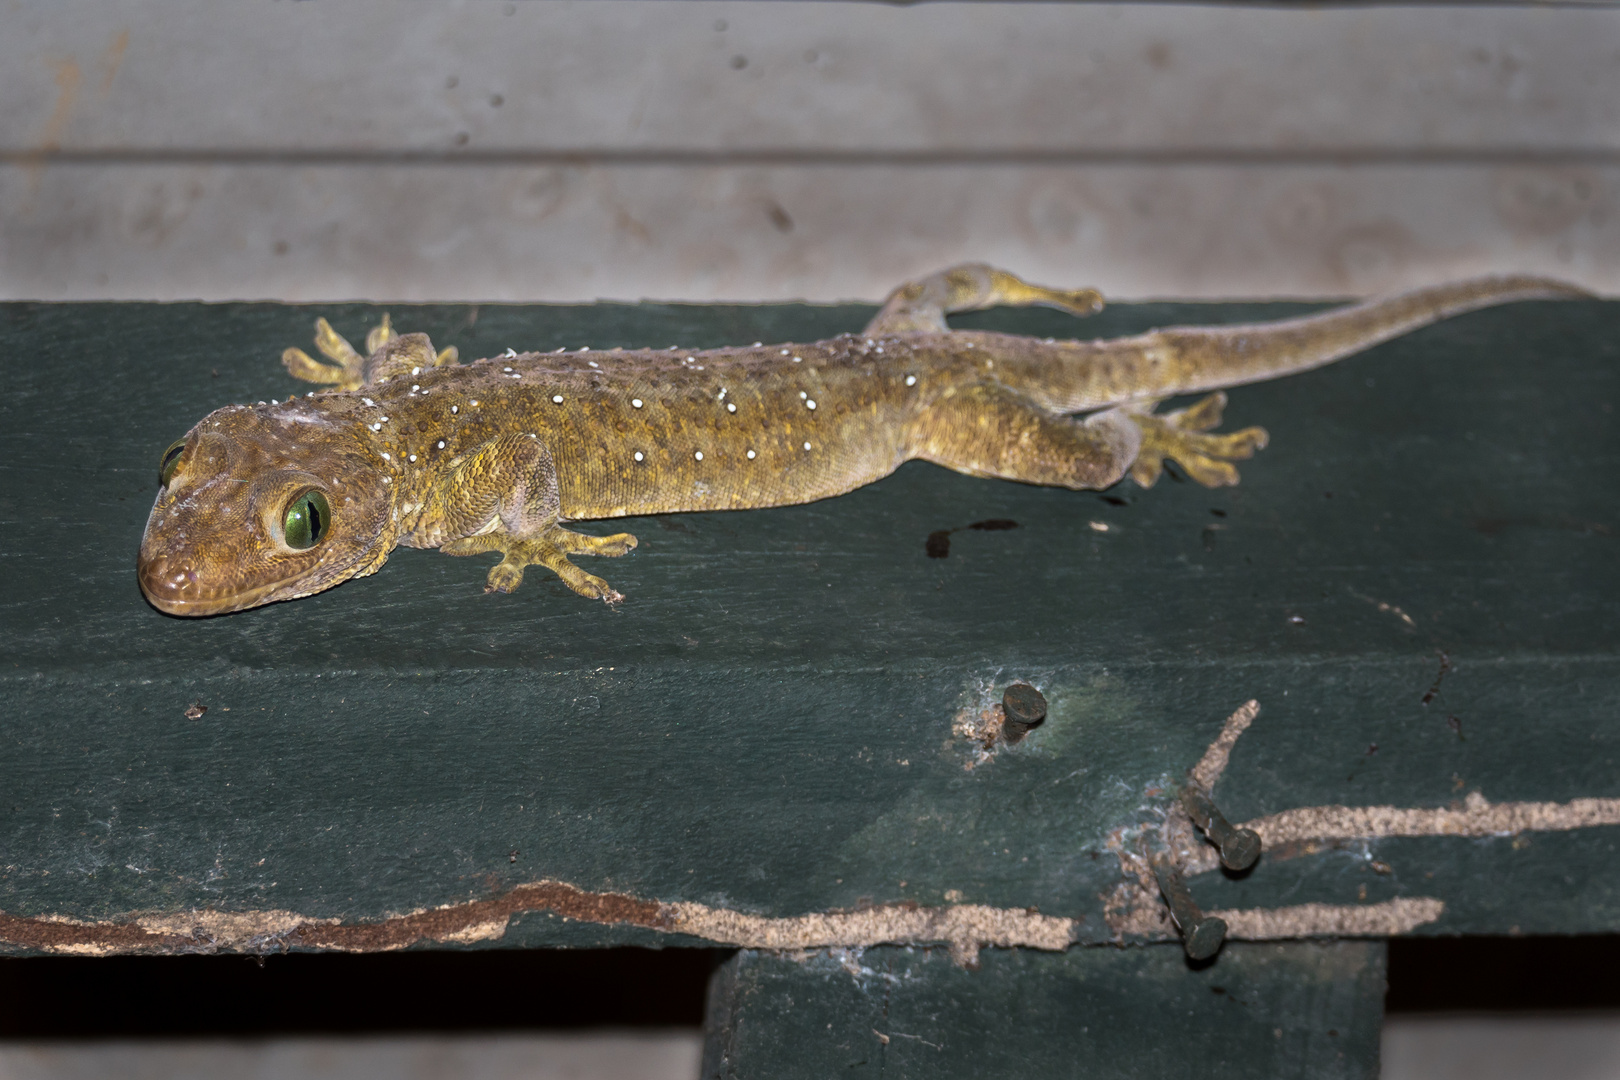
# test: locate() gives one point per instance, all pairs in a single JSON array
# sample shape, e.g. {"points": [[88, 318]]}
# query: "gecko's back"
{"points": [[639, 432]]}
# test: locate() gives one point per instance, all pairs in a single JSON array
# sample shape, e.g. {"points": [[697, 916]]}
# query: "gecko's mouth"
{"points": [[174, 590]]}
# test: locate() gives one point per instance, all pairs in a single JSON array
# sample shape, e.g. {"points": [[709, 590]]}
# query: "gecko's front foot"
{"points": [[550, 551], [1178, 436], [347, 370]]}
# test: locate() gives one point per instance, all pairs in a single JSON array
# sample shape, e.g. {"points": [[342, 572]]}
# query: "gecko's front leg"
{"points": [[506, 495]]}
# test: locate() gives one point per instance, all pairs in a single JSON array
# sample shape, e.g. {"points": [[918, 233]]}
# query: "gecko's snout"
{"points": [[170, 584]]}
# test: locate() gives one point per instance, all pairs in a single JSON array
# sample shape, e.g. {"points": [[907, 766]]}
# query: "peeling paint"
{"points": [[1475, 817], [1398, 916], [1307, 830], [1135, 909], [1213, 763], [232, 926], [964, 927], [978, 723]]}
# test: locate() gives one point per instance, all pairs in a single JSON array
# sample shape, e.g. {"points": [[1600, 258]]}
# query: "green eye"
{"points": [[308, 519], [170, 461]]}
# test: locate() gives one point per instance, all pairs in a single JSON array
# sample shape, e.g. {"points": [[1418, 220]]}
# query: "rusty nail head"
{"points": [[1240, 848], [1023, 707], [1203, 940], [1201, 935]]}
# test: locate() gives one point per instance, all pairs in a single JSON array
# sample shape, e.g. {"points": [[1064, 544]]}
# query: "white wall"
{"points": [[761, 150]]}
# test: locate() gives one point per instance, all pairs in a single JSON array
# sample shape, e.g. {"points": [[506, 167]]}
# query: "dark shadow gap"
{"points": [[518, 990], [337, 993], [1503, 974]]}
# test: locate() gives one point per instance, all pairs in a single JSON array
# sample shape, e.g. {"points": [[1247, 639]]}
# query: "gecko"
{"points": [[408, 446]]}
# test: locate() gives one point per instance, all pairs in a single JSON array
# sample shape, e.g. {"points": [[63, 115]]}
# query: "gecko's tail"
{"points": [[1189, 359]]}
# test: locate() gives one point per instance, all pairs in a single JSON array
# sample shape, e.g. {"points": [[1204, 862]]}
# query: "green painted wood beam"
{"points": [[765, 727], [1266, 1010]]}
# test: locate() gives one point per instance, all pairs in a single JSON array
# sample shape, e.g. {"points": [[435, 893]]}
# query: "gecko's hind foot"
{"points": [[1178, 436], [923, 304]]}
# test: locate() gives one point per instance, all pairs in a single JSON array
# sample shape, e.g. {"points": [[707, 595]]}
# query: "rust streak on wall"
{"points": [[67, 935], [453, 921]]}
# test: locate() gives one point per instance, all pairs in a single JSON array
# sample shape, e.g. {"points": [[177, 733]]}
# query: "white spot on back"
{"points": [[698, 455], [636, 402], [750, 455], [556, 399], [638, 455]]}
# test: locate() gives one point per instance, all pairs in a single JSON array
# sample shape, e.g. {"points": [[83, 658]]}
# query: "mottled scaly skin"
{"points": [[413, 448]]}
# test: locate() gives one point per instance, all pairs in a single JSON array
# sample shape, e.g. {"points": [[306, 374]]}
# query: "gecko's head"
{"points": [[263, 504]]}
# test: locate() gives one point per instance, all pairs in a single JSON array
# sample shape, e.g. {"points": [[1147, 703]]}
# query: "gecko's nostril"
{"points": [[165, 575]]}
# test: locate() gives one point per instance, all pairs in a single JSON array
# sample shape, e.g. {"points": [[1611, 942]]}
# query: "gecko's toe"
{"points": [[1201, 415], [1234, 446], [1208, 471], [380, 335], [504, 576], [589, 585], [622, 544]]}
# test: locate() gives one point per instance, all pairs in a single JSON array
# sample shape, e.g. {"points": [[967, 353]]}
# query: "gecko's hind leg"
{"points": [[1179, 436], [987, 429], [924, 303]]}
